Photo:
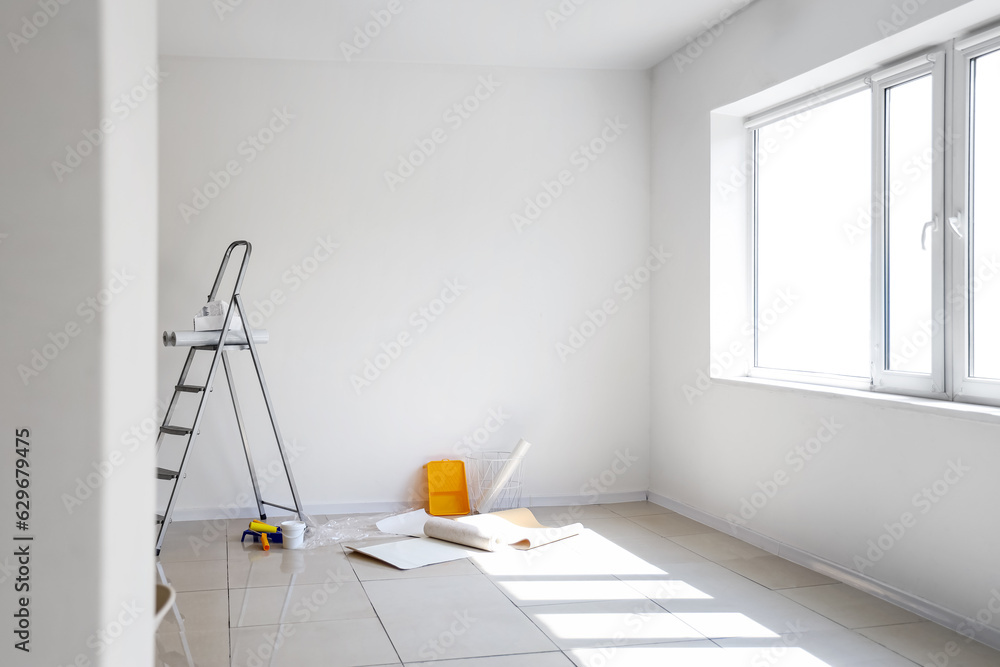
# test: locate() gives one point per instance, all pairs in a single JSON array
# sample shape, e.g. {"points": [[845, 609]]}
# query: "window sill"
{"points": [[958, 410]]}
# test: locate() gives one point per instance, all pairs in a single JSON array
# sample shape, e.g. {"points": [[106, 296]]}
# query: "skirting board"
{"points": [[210, 514], [950, 619]]}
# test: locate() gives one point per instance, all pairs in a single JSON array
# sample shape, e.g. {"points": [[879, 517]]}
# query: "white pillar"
{"points": [[78, 271]]}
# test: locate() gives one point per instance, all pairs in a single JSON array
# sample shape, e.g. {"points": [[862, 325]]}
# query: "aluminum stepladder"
{"points": [[220, 352]]}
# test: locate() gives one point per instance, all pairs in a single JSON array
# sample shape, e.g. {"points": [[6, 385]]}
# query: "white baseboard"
{"points": [[933, 612], [210, 514]]}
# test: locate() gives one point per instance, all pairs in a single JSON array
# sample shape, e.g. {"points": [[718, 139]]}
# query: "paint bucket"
{"points": [[291, 534]]}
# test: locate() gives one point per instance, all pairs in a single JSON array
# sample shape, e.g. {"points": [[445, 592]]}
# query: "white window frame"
{"points": [[930, 385], [752, 124], [965, 387], [950, 235]]}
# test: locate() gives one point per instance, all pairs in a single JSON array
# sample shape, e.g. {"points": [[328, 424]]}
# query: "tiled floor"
{"points": [[641, 587]]}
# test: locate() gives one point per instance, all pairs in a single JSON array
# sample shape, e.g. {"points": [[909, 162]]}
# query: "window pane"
{"points": [[813, 239], [909, 207], [985, 216]]}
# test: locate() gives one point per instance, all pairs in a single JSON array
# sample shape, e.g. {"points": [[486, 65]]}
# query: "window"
{"points": [[892, 287]]}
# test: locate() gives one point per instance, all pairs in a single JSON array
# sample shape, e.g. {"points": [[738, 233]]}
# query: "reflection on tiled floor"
{"points": [[641, 587]]}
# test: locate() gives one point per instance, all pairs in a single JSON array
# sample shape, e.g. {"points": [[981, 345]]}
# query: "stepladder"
{"points": [[235, 335]]}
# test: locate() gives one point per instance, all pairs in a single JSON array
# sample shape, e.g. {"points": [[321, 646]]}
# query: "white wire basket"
{"points": [[483, 469]]}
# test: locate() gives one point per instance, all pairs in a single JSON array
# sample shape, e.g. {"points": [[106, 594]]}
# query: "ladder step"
{"points": [[190, 388], [175, 430], [163, 473]]}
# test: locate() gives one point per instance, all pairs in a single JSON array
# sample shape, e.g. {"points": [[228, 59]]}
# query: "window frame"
{"points": [[965, 387], [931, 385], [950, 236]]}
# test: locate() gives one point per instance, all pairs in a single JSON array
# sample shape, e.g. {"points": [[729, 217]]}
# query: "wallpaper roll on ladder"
{"points": [[491, 495], [199, 338], [462, 533]]}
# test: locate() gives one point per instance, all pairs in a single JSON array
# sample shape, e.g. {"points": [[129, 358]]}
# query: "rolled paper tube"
{"points": [[461, 533], [490, 497], [201, 338]]}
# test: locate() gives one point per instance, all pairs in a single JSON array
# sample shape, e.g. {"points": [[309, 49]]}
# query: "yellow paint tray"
{"points": [[447, 491]]}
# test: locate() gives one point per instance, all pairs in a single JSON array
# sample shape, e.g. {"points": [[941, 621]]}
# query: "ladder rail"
{"points": [[219, 351], [243, 433], [238, 300]]}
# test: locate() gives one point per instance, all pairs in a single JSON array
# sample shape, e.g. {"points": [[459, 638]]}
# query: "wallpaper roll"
{"points": [[490, 497], [197, 338], [462, 533]]}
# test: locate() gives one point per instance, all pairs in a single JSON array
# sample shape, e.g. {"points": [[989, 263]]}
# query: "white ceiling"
{"points": [[600, 34]]}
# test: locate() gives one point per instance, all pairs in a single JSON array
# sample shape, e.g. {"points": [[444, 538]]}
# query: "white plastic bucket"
{"points": [[291, 534]]}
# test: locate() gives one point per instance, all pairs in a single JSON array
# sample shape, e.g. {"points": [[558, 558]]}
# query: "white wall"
{"points": [[719, 448], [494, 348], [61, 244]]}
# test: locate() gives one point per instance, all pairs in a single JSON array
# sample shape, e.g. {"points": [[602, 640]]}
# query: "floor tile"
{"points": [[670, 525], [370, 569], [196, 575], [438, 618], [277, 567], [776, 572], [586, 554], [199, 610], [849, 606], [298, 604], [618, 623], [835, 648], [343, 643], [533, 591], [637, 508], [682, 654], [519, 660], [205, 649], [660, 552], [179, 547], [721, 603], [619, 529], [930, 644], [566, 514], [718, 547]]}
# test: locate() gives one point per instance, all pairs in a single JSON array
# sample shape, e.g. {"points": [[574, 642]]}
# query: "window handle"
{"points": [[956, 222], [923, 233]]}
